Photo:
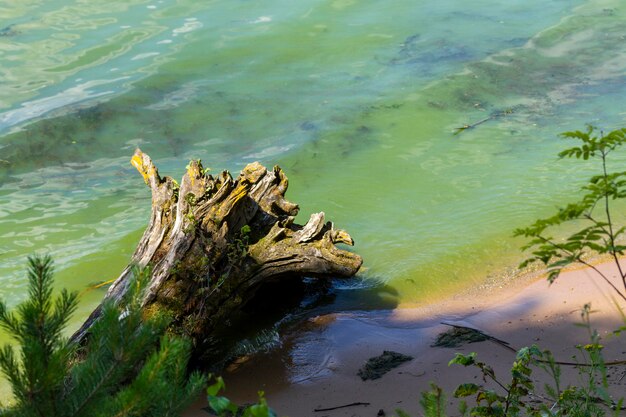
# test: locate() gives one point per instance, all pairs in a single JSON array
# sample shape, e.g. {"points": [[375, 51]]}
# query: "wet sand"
{"points": [[317, 364]]}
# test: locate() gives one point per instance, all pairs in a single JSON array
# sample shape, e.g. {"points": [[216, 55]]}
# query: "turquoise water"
{"points": [[357, 101]]}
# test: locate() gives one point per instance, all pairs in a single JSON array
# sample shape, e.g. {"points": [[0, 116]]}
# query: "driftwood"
{"points": [[492, 116], [317, 410], [212, 241]]}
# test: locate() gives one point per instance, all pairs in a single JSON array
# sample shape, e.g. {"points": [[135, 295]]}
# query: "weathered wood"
{"points": [[211, 241]]}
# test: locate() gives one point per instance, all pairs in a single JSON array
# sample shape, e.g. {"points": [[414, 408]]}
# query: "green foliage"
{"points": [[433, 402], [238, 249], [587, 398], [223, 407], [236, 252], [190, 198], [37, 326], [598, 233], [465, 360], [465, 390], [489, 402], [127, 368]]}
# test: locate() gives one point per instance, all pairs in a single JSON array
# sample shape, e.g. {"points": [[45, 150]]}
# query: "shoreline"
{"points": [[317, 364]]}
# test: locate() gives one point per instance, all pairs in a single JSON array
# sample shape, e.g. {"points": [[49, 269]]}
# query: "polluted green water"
{"points": [[357, 100]]}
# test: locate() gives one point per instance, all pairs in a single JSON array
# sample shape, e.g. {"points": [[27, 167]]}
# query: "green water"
{"points": [[357, 100]]}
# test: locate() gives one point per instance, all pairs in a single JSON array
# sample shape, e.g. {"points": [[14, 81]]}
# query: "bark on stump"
{"points": [[212, 241]]}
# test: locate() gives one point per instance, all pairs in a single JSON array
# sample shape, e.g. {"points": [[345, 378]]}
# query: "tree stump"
{"points": [[212, 241]]}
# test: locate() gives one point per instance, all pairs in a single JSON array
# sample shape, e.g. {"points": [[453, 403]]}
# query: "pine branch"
{"points": [[94, 376], [120, 370]]}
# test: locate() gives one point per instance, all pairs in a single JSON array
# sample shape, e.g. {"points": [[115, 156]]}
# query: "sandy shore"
{"points": [[317, 365]]}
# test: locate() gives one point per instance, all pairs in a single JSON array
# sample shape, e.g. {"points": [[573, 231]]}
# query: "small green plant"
{"points": [[490, 402], [585, 399], [238, 249], [519, 397], [433, 403], [244, 240], [128, 367], [190, 199], [37, 375], [599, 233], [223, 407]]}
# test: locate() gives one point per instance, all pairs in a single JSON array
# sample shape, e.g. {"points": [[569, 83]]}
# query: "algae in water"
{"points": [[458, 336], [378, 366]]}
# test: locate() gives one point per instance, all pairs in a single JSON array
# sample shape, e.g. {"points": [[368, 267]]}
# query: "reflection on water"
{"points": [[358, 101]]}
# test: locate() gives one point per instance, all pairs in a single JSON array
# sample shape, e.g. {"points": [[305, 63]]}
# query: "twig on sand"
{"points": [[340, 406]]}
